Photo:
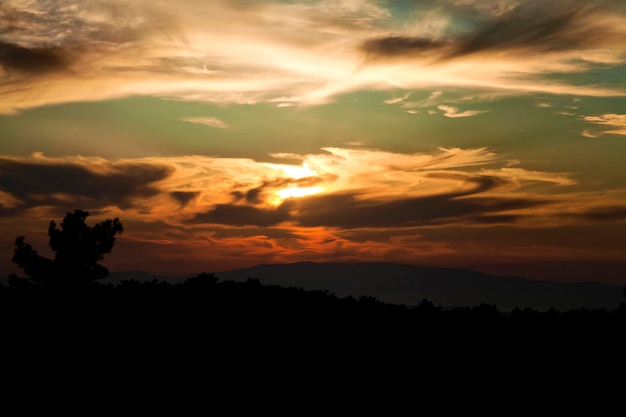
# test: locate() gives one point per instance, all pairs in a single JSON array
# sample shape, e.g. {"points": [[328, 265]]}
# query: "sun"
{"points": [[298, 192], [293, 192], [297, 172], [294, 173]]}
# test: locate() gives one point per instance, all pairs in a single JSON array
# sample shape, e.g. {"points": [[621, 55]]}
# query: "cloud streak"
{"points": [[614, 124], [207, 121], [453, 112]]}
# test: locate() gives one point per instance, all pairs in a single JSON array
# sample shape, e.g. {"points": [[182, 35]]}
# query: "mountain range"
{"points": [[411, 284]]}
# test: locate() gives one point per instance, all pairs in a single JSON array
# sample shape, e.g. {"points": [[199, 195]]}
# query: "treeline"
{"points": [[204, 322], [205, 297]]}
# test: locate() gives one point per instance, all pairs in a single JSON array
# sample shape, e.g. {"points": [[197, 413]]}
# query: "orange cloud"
{"points": [[615, 124]]}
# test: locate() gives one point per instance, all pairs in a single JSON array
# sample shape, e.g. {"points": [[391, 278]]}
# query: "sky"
{"points": [[484, 134]]}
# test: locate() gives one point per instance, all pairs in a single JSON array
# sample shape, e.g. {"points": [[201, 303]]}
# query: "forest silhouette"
{"points": [[69, 296]]}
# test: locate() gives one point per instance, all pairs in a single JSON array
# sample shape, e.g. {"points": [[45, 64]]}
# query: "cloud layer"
{"points": [[53, 52], [359, 200]]}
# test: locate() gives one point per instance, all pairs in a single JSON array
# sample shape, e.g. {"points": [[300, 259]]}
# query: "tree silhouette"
{"points": [[78, 250]]}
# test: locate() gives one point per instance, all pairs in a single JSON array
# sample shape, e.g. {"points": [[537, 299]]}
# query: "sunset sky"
{"points": [[488, 134]]}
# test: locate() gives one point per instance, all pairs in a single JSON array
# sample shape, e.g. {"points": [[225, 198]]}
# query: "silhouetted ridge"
{"points": [[451, 287]]}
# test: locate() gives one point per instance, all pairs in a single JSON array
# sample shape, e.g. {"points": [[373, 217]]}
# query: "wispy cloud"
{"points": [[309, 51], [207, 121], [431, 100], [614, 124], [453, 112], [398, 99]]}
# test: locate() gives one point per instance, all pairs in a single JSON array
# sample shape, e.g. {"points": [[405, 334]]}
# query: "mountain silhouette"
{"points": [[410, 284], [448, 287]]}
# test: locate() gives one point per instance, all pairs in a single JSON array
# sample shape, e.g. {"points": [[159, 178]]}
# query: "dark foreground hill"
{"points": [[248, 328], [206, 334], [449, 287]]}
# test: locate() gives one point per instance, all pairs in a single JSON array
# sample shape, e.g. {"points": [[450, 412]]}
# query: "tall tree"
{"points": [[78, 248]]}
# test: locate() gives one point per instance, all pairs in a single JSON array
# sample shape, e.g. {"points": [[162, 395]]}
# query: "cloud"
{"points": [[528, 28], [16, 58], [367, 203], [310, 52], [347, 211], [335, 188], [615, 125], [603, 214], [397, 99], [453, 112], [184, 197], [513, 174], [394, 46], [92, 183], [238, 215], [208, 121], [431, 100]]}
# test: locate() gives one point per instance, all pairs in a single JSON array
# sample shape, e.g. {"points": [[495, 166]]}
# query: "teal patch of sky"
{"points": [[600, 158], [545, 134], [131, 127], [148, 126], [462, 19], [514, 127], [598, 75]]}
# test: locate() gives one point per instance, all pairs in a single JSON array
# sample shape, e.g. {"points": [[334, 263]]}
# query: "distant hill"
{"points": [[448, 287]]}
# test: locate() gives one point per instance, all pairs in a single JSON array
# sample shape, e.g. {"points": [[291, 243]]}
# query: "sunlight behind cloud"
{"points": [[295, 171], [298, 192]]}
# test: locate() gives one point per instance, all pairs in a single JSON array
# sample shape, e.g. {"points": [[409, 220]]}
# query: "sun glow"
{"points": [[296, 172], [298, 192]]}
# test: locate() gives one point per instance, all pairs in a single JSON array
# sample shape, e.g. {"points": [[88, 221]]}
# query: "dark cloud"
{"points": [[602, 214], [392, 46], [253, 195], [16, 58], [478, 183], [532, 26], [347, 211], [269, 232], [37, 183], [48, 36], [238, 215], [377, 234], [184, 197]]}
